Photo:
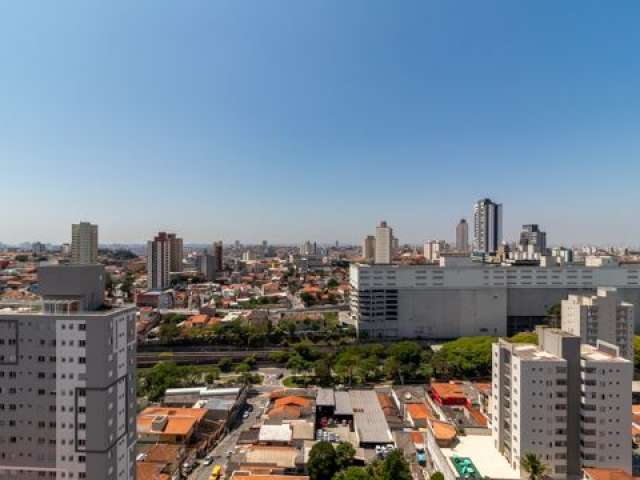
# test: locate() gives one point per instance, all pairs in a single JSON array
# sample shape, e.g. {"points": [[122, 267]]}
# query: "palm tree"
{"points": [[532, 464]]}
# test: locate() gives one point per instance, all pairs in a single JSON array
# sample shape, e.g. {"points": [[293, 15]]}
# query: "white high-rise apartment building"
{"points": [[158, 262], [462, 236], [487, 217], [84, 243], [605, 413], [369, 248], [567, 403], [433, 249], [529, 405], [68, 382], [384, 243], [603, 316]]}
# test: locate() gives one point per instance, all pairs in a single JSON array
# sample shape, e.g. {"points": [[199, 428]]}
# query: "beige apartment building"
{"points": [[604, 316]]}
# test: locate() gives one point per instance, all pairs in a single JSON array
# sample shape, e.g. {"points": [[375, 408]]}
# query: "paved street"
{"points": [[271, 381], [228, 443]]}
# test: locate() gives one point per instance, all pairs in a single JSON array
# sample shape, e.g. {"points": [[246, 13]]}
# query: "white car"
{"points": [[208, 460]]}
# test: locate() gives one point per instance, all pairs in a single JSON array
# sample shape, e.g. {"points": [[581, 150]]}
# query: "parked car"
{"points": [[208, 460]]}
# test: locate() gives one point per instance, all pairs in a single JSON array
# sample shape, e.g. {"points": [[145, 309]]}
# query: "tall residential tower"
{"points": [[384, 243], [567, 403], [217, 253], [603, 316], [369, 248], [84, 243], [533, 240], [158, 262], [462, 237], [176, 253], [68, 382], [487, 229]]}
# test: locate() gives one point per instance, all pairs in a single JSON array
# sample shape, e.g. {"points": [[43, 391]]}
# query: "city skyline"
{"points": [[275, 119]]}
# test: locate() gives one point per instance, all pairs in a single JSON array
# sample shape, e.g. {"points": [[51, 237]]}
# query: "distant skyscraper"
{"points": [[369, 248], [384, 243], [176, 253], [462, 236], [68, 384], [38, 248], [158, 262], [84, 243], [433, 249], [308, 249], [217, 253], [487, 218], [207, 266], [533, 239], [249, 256]]}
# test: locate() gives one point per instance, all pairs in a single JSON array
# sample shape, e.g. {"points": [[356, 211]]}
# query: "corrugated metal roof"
{"points": [[325, 398], [368, 418], [343, 403], [275, 433]]}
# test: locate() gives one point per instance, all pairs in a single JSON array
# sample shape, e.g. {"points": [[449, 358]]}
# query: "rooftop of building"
{"points": [[159, 452], [606, 474], [179, 421], [480, 449], [509, 267], [369, 419], [449, 390], [151, 471], [595, 354], [526, 351], [275, 433], [266, 476], [61, 308], [419, 411], [443, 431], [325, 397], [343, 404], [284, 457], [293, 400]]}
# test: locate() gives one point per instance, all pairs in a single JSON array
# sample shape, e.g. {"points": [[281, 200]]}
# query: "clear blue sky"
{"points": [[286, 120]]}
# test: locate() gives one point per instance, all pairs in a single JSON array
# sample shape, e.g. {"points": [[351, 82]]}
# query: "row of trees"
{"points": [[153, 382], [401, 362], [254, 335], [329, 463]]}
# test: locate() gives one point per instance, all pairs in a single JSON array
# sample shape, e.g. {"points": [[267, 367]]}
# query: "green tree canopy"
{"points": [[344, 455], [395, 467], [322, 370], [162, 375], [466, 357], [535, 467], [322, 461], [353, 473]]}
